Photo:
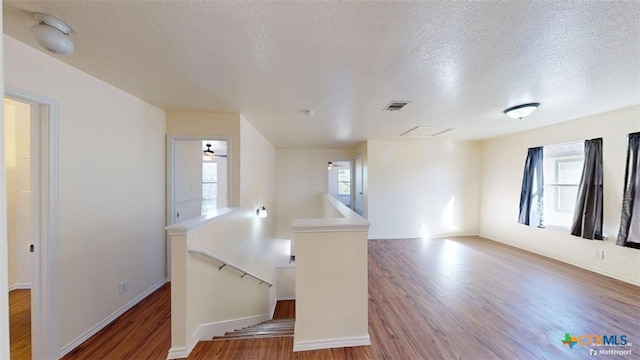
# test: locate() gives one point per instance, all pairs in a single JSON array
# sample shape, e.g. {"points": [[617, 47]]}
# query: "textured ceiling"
{"points": [[459, 64]]}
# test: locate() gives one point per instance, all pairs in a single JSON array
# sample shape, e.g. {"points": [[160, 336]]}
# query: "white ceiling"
{"points": [[459, 64]]}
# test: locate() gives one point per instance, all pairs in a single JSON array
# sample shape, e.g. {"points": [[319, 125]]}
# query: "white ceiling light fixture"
{"points": [[521, 111], [309, 112], [52, 34]]}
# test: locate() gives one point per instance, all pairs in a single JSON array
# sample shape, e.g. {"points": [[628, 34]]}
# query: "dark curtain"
{"points": [[531, 195], [587, 217], [629, 203]]}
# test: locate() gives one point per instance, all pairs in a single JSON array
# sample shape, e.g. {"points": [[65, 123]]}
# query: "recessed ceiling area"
{"points": [[426, 131], [458, 64]]}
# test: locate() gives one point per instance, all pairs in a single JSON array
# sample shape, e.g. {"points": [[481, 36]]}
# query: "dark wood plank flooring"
{"points": [[285, 309], [20, 324], [458, 298]]}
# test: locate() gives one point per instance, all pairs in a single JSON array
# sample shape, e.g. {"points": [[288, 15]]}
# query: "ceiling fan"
{"points": [[331, 165], [210, 153]]}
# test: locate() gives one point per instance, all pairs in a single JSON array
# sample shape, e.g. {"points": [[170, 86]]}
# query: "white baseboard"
{"points": [[24, 286], [89, 333], [286, 298], [417, 236], [331, 343], [181, 353], [208, 331]]}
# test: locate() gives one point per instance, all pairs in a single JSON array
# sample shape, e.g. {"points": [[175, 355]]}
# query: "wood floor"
{"points": [[461, 298], [20, 324], [143, 332], [285, 309]]}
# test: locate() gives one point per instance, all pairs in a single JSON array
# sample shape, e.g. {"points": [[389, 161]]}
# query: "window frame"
{"points": [[554, 195]]}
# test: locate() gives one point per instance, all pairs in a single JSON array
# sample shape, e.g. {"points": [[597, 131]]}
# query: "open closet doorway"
{"points": [[339, 181], [30, 145], [17, 129]]}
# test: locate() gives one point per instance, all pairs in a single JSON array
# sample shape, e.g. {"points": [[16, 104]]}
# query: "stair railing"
{"points": [[224, 263]]}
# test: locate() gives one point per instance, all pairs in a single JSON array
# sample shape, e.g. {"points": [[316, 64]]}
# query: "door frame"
{"points": [[171, 206], [44, 220], [358, 177]]}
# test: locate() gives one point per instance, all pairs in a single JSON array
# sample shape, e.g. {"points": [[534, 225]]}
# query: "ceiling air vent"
{"points": [[396, 105]]}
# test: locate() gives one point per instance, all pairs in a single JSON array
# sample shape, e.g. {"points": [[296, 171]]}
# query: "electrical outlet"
{"points": [[124, 287], [598, 254]]}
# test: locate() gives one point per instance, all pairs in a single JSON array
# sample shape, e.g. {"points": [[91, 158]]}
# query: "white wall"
{"points": [[422, 188], [257, 174], [301, 178], [111, 188], [502, 167], [286, 282], [17, 123], [223, 295], [324, 319]]}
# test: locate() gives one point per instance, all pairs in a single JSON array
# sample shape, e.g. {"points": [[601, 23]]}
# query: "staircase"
{"points": [[267, 329], [282, 325]]}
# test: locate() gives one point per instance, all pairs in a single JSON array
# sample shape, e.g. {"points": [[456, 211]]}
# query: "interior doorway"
{"points": [[358, 177], [30, 129], [17, 140]]}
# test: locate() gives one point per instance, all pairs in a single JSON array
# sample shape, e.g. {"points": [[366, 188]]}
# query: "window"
{"points": [[209, 186], [562, 165], [344, 181]]}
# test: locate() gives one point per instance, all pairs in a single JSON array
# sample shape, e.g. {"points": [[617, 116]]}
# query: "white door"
{"points": [[187, 180], [222, 182], [358, 179]]}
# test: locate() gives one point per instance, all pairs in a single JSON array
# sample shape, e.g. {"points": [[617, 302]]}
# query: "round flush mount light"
{"points": [[521, 111], [52, 34], [309, 112]]}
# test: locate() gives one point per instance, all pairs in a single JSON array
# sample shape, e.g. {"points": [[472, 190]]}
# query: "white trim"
{"points": [[273, 308], [5, 344], [208, 331], [325, 225], [350, 221], [283, 298], [181, 353], [331, 343], [101, 325], [188, 226], [25, 286], [44, 155], [416, 236], [607, 274]]}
